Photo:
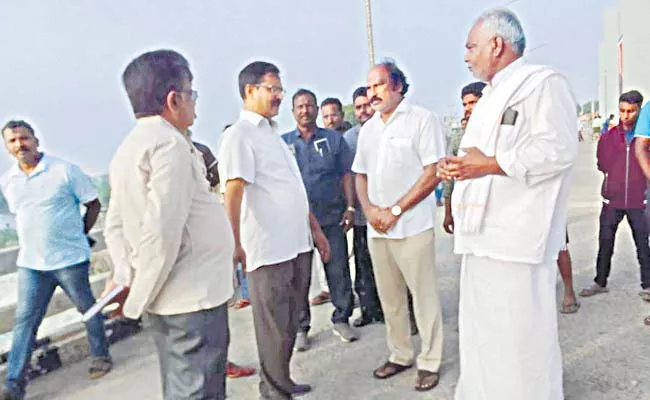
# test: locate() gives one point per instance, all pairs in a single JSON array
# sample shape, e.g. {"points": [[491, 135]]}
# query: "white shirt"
{"points": [[275, 210], [526, 212], [393, 156], [167, 234]]}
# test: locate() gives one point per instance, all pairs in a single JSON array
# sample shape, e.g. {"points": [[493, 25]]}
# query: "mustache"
{"points": [[376, 98], [276, 103]]}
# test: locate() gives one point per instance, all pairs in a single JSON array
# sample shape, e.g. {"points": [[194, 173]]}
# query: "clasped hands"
{"points": [[381, 219], [474, 164]]}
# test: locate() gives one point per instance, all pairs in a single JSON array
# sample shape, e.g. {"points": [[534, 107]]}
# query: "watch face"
{"points": [[396, 210]]}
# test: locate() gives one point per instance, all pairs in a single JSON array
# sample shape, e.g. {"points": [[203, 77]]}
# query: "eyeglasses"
{"points": [[272, 89], [194, 95]]}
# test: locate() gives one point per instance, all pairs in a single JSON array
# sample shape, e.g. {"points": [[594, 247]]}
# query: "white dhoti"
{"points": [[509, 345]]}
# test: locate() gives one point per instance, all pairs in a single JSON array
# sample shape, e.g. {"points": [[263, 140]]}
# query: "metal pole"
{"points": [[371, 45]]}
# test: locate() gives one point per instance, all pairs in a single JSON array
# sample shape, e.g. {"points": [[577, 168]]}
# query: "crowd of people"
{"points": [[289, 201]]}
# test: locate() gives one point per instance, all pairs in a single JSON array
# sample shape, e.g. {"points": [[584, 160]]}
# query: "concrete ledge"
{"points": [[100, 265], [9, 255], [60, 301]]}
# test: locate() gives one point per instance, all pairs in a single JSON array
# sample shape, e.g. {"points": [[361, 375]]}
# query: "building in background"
{"points": [[624, 59]]}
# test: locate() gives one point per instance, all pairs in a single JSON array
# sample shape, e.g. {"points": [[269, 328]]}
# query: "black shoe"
{"points": [[299, 389], [362, 321]]}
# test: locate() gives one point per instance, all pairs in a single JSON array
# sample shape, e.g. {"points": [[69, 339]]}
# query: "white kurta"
{"points": [[509, 346]]}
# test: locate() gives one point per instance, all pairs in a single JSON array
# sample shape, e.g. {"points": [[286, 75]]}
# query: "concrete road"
{"points": [[606, 347]]}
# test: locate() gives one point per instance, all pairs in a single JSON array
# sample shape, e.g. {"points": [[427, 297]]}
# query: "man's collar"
{"points": [[42, 166], [507, 71], [255, 118], [402, 107]]}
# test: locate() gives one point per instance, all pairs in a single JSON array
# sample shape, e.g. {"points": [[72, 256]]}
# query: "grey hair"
{"points": [[505, 24]]}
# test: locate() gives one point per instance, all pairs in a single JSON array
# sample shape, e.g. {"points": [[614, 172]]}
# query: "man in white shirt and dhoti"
{"points": [[510, 203]]}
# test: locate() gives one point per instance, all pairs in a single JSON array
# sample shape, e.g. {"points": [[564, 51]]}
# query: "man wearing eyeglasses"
{"points": [[274, 231], [164, 229]]}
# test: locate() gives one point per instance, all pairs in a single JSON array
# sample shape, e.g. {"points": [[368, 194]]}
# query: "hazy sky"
{"points": [[62, 60]]}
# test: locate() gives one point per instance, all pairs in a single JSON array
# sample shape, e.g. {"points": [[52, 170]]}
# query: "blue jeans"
{"points": [[243, 283], [35, 290]]}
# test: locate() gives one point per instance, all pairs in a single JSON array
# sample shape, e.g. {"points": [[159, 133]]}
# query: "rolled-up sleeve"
{"points": [[236, 157], [431, 141], [168, 201], [550, 145], [642, 128]]}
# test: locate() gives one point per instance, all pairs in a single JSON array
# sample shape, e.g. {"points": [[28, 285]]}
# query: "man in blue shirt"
{"points": [[325, 159], [44, 193]]}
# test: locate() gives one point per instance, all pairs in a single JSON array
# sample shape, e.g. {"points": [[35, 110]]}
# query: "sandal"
{"points": [[645, 294], [426, 380], [389, 369], [242, 303], [99, 367], [237, 371], [570, 308], [593, 290]]}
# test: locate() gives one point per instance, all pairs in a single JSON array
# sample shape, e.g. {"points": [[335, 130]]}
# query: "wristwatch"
{"points": [[396, 210]]}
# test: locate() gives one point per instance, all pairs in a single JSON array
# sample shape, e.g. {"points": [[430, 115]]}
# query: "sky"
{"points": [[62, 60]]}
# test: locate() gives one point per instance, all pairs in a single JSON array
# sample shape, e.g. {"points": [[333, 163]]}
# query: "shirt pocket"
{"points": [[400, 151]]}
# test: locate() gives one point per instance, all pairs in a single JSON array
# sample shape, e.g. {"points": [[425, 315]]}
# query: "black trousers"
{"points": [[279, 295], [610, 218], [364, 280]]}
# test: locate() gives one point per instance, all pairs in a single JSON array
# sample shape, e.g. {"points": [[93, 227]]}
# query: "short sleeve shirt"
{"points": [[275, 210], [47, 206], [323, 161], [393, 156], [642, 128]]}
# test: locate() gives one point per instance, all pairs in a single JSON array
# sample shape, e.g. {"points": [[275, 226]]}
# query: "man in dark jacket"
{"points": [[623, 194]]}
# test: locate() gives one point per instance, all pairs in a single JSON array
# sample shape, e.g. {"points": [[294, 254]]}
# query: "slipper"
{"points": [[242, 303], [570, 308], [389, 369], [426, 380], [593, 290]]}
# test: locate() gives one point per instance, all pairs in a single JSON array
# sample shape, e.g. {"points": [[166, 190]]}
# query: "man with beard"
{"points": [[364, 279], [333, 115], [274, 231], [44, 193], [516, 159], [324, 159]]}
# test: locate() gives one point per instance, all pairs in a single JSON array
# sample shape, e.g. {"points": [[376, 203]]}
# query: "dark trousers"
{"points": [[609, 220], [279, 295], [192, 351], [364, 280], [337, 272]]}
